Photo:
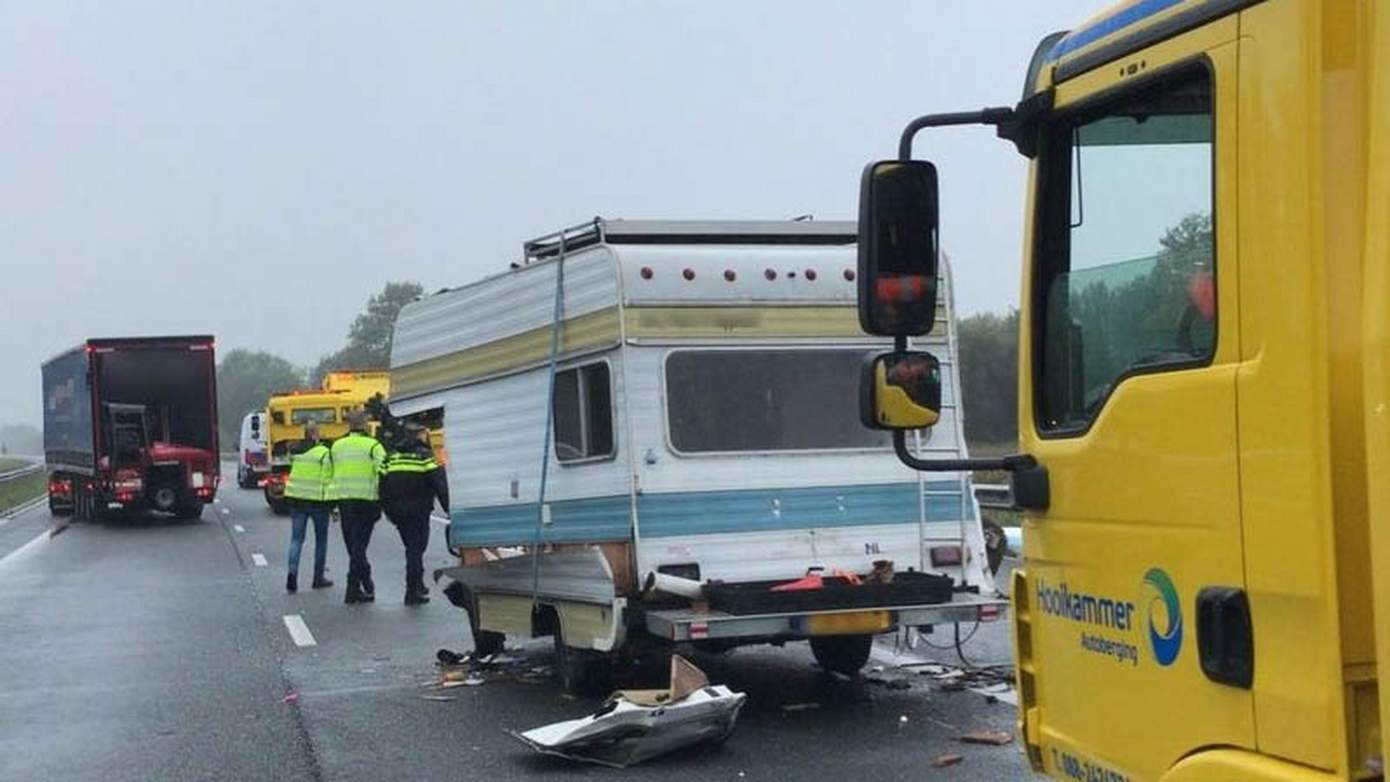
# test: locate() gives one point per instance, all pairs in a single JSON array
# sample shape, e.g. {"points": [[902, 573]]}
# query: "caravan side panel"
{"points": [[495, 434]]}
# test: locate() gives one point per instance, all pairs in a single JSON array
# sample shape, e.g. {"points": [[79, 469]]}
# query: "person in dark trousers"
{"points": [[306, 490], [412, 483], [358, 463]]}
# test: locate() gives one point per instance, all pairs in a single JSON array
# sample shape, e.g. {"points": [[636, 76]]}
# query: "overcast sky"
{"points": [[257, 170]]}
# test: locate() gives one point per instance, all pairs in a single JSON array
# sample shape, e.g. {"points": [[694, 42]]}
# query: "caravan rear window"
{"points": [[766, 400]]}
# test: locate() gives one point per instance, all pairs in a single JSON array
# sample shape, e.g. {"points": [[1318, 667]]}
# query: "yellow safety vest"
{"points": [[311, 474], [358, 462]]}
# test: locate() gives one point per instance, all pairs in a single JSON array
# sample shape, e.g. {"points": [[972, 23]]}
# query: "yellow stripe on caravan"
{"points": [[736, 322], [600, 329], [586, 332]]}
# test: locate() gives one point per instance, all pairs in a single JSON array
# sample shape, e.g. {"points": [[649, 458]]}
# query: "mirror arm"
{"points": [[998, 115], [1011, 463]]}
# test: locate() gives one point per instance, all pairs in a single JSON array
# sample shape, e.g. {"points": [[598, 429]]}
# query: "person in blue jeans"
{"points": [[306, 490]]}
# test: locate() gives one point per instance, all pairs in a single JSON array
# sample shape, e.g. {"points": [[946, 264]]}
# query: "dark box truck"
{"points": [[131, 425]]}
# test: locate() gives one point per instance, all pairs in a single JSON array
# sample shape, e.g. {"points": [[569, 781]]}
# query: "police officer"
{"points": [[306, 490], [413, 482], [358, 462]]}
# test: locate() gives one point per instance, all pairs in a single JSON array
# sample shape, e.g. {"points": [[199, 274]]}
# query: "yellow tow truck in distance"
{"points": [[328, 406], [1204, 386]]}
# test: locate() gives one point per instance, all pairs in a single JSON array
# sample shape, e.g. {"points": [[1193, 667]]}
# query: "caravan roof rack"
{"points": [[601, 231]]}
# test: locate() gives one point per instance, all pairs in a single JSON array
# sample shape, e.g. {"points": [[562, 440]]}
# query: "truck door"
{"points": [[1131, 344]]}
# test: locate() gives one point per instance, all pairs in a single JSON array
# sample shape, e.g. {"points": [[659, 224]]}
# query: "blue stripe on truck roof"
{"points": [[1100, 28]]}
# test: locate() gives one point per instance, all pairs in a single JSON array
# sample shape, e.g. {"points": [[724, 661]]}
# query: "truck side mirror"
{"points": [[900, 390], [898, 248], [278, 417]]}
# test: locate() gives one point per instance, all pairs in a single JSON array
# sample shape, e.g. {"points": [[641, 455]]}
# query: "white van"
{"points": [[652, 432], [253, 460]]}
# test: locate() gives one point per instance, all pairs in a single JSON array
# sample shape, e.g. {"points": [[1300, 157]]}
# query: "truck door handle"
{"points": [[1225, 641], [1030, 487]]}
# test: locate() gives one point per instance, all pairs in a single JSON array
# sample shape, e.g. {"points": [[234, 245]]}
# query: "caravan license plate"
{"points": [[857, 623]]}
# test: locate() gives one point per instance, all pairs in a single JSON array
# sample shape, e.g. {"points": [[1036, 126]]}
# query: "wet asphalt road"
{"points": [[159, 650]]}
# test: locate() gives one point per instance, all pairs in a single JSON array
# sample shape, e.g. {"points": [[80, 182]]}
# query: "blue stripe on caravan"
{"points": [[1115, 22], [706, 513], [571, 521]]}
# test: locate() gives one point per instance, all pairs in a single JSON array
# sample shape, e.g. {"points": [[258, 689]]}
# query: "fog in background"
{"points": [[257, 170]]}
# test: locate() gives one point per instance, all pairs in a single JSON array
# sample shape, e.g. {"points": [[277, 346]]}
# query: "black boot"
{"points": [[354, 591], [368, 588], [416, 596], [292, 583], [321, 583]]}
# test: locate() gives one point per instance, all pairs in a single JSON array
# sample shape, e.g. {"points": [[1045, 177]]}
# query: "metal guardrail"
{"points": [[20, 472], [994, 495]]}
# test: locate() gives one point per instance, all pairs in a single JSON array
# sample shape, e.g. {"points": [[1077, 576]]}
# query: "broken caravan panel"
{"points": [[687, 439]]}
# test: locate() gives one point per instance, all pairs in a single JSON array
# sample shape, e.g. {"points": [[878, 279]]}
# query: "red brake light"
{"points": [[946, 556], [811, 275], [770, 274], [730, 275], [688, 274], [646, 272]]}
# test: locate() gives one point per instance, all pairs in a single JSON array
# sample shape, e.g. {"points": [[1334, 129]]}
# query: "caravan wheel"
{"points": [[845, 654], [582, 671]]}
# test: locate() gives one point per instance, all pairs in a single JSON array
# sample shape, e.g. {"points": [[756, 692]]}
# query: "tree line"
{"points": [[246, 378]]}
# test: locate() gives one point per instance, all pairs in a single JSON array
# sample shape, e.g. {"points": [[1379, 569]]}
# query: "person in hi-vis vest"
{"points": [[358, 463], [306, 490]]}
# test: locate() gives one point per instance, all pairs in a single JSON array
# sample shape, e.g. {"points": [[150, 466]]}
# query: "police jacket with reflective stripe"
{"points": [[413, 480], [311, 473], [358, 461]]}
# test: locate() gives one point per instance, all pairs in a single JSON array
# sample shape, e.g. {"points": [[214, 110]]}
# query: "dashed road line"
{"points": [[238, 528], [259, 559], [299, 632]]}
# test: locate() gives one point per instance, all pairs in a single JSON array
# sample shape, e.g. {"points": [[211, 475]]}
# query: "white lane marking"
{"points": [[299, 632], [439, 519], [13, 556], [259, 559], [226, 512], [238, 528]]}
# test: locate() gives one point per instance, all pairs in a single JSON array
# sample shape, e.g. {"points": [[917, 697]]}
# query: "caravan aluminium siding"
{"points": [[502, 324]]}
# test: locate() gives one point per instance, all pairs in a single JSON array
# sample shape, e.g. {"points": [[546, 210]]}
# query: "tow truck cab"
{"points": [[1204, 372]]}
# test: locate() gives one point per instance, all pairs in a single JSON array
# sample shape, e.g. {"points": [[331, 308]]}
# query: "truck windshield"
{"points": [[320, 415], [1126, 254], [766, 400]]}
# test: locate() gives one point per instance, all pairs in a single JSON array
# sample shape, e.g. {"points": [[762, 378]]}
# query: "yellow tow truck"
{"points": [[328, 406], [1204, 385]]}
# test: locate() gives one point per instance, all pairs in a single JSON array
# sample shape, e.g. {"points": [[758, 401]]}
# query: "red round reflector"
{"points": [[729, 275], [770, 274], [689, 274], [811, 274], [849, 275], [646, 272]]}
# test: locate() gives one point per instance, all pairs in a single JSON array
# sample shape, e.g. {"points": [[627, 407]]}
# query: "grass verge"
{"points": [[25, 488]]}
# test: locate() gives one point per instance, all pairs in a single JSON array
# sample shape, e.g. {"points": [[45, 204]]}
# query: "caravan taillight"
{"points": [[811, 275], [729, 275], [770, 274], [688, 274], [849, 275], [646, 272], [946, 556]]}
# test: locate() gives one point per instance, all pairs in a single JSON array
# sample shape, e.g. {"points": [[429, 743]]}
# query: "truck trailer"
{"points": [[650, 442], [130, 424]]}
